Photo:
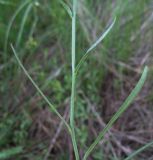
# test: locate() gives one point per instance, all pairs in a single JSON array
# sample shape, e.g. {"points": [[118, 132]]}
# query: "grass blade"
{"points": [[52, 107], [139, 151], [10, 25], [66, 7], [10, 152], [123, 107], [23, 24], [34, 24], [100, 39]]}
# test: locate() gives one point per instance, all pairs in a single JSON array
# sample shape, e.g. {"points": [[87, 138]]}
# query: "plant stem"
{"points": [[73, 54], [51, 106]]}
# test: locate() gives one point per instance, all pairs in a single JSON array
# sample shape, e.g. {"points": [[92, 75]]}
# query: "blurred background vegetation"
{"points": [[41, 33]]}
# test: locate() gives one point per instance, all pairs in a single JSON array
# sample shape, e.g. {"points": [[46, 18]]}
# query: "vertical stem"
{"points": [[73, 81]]}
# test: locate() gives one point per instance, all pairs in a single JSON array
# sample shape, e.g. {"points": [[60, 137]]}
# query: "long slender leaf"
{"points": [[66, 7], [100, 39], [10, 25], [123, 107], [52, 107], [23, 24], [139, 151], [34, 24], [5, 154]]}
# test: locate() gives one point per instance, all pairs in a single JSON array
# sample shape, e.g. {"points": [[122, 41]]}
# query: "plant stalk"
{"points": [[73, 54]]}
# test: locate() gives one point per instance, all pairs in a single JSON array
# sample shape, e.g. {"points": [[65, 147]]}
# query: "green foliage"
{"points": [[9, 153], [33, 37], [14, 129]]}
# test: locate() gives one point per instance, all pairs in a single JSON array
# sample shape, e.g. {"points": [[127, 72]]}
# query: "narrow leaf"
{"points": [[10, 25], [139, 151], [52, 107], [102, 36], [66, 7], [100, 39], [23, 24], [5, 154], [34, 24], [123, 107]]}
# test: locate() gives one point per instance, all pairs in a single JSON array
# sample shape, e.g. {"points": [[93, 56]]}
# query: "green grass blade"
{"points": [[66, 7], [10, 152], [23, 24], [100, 39], [139, 151], [123, 107], [34, 24], [11, 23], [52, 107]]}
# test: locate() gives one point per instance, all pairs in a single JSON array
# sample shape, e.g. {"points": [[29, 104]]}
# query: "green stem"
{"points": [[73, 137], [51, 106]]}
